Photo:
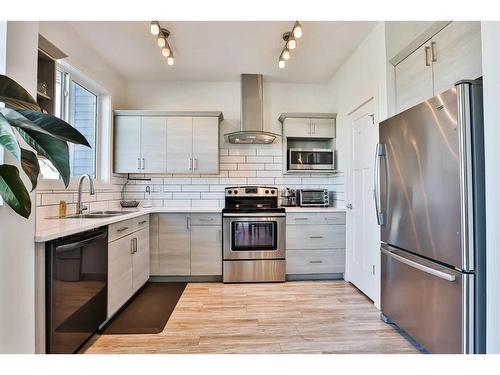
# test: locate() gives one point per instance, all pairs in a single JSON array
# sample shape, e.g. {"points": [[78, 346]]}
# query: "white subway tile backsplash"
{"points": [[176, 180], [267, 181], [260, 159], [273, 167], [269, 173], [204, 180], [195, 188], [228, 166], [250, 167], [242, 174], [267, 151], [49, 199], [191, 195], [243, 151], [179, 203], [232, 159], [172, 187], [213, 195], [232, 181]]}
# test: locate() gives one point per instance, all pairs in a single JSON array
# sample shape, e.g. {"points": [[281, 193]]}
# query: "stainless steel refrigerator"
{"points": [[429, 192]]}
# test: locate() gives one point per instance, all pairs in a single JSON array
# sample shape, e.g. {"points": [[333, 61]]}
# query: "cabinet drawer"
{"points": [[206, 219], [122, 228], [315, 261], [297, 218], [314, 237]]}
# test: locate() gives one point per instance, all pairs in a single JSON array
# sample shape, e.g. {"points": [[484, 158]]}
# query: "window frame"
{"points": [[102, 178]]}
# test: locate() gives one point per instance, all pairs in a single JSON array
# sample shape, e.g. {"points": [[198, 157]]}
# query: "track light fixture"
{"points": [[290, 38], [162, 42]]}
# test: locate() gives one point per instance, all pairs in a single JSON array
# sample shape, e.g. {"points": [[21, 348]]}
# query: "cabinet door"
{"points": [[174, 244], [127, 144], [206, 250], [154, 144], [414, 82], [297, 127], [140, 259], [457, 54], [323, 127], [206, 144], [119, 273], [179, 144]]}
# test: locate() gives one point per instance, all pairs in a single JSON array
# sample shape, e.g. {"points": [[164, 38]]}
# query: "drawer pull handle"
{"points": [[121, 229], [207, 219], [315, 261], [143, 222], [301, 218], [315, 236]]}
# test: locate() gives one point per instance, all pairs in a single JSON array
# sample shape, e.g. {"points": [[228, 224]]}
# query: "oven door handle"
{"points": [[255, 215]]}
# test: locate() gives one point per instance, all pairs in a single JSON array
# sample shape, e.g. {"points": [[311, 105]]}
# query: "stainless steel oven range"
{"points": [[253, 235]]}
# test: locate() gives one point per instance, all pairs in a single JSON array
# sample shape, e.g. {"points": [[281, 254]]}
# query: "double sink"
{"points": [[95, 215]]}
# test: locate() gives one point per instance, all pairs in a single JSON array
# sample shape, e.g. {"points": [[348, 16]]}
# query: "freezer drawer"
{"points": [[430, 302]]}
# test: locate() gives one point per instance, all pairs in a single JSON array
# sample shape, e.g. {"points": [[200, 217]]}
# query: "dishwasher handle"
{"points": [[75, 245]]}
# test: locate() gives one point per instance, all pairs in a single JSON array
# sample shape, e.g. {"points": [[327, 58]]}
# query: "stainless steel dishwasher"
{"points": [[76, 289]]}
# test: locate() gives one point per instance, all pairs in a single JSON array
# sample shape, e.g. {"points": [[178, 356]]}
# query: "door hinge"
{"points": [[373, 269], [372, 115]]}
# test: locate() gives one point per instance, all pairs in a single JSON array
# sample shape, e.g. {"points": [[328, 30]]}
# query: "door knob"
{"points": [[349, 206]]}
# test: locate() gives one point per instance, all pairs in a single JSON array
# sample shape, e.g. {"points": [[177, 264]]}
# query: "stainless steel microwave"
{"points": [[310, 159]]}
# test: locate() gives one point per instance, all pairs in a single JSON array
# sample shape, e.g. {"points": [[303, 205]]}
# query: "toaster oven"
{"points": [[312, 197]]}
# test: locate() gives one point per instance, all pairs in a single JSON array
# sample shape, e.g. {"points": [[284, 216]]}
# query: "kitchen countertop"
{"points": [[314, 209], [50, 229]]}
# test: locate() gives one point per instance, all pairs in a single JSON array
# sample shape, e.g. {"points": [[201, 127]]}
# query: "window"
{"points": [[77, 105]]}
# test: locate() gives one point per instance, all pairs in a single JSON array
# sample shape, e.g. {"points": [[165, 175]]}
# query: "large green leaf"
{"points": [[14, 95], [30, 165], [8, 138], [19, 121], [52, 148], [55, 126], [13, 191]]}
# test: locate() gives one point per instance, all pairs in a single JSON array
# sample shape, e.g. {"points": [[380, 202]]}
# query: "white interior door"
{"points": [[363, 259]]}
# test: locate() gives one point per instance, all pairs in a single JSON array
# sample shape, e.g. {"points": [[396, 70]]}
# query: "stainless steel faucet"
{"points": [[80, 207]]}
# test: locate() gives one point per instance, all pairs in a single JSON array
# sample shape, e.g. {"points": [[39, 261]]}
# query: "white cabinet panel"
{"points": [[297, 127], [127, 145], [315, 261], [414, 81], [179, 144], [119, 273], [206, 144], [174, 244], [457, 51], [140, 259], [323, 128], [154, 144], [206, 250]]}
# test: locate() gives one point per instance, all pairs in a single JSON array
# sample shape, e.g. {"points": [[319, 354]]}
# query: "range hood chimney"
{"points": [[252, 116]]}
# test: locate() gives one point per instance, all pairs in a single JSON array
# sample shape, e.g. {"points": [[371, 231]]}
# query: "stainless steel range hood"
{"points": [[252, 116]]}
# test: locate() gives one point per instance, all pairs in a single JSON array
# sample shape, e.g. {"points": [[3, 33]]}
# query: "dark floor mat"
{"points": [[148, 311]]}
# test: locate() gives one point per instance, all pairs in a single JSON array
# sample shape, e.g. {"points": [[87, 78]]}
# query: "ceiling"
{"points": [[221, 51]]}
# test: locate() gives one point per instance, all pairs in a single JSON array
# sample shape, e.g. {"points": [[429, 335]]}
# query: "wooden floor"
{"points": [[293, 317]]}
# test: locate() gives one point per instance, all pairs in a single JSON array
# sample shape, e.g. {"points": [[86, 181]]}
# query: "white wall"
{"points": [[491, 86], [17, 255], [85, 58], [362, 77]]}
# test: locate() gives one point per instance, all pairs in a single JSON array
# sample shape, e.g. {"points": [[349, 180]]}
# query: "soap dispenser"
{"points": [[147, 202]]}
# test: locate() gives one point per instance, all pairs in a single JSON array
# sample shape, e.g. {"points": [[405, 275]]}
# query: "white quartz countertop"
{"points": [[50, 229], [314, 209]]}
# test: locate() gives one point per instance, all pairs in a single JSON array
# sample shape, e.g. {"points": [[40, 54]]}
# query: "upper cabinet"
{"points": [[307, 127], [453, 54], [166, 142]]}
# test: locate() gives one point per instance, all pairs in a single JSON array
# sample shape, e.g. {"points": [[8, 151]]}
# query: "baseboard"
{"points": [[187, 279], [315, 276]]}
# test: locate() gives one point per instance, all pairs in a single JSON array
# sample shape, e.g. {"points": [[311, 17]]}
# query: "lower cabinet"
{"points": [[128, 263], [315, 243], [186, 244]]}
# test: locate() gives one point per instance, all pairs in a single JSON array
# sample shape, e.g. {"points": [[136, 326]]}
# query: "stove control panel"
{"points": [[252, 191]]}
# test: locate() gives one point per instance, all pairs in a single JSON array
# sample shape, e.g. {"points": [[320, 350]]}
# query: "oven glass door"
{"points": [[254, 235], [311, 159], [254, 238]]}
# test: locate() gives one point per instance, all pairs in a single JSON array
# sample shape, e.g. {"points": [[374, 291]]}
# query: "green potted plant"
{"points": [[47, 135]]}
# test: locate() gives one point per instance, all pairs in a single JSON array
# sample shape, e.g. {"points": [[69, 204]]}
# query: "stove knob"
{"points": [[273, 192], [235, 192], [267, 191], [229, 191]]}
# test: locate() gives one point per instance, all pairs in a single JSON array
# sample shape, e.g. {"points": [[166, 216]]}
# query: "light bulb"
{"points": [[297, 30], [285, 54], [170, 60], [161, 41], [291, 43], [281, 63], [165, 51], [155, 28]]}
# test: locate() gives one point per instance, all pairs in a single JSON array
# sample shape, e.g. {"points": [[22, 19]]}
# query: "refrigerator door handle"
{"points": [[441, 274], [379, 152]]}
